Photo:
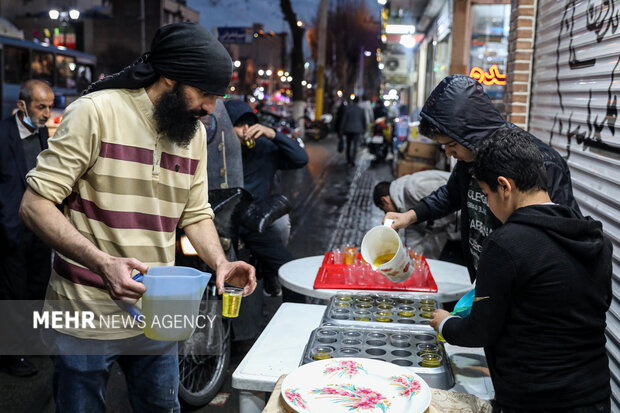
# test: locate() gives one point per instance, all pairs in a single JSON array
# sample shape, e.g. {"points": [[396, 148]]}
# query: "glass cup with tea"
{"points": [[231, 301]]}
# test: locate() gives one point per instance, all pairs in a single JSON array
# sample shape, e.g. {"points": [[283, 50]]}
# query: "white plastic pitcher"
{"points": [[171, 302], [383, 240]]}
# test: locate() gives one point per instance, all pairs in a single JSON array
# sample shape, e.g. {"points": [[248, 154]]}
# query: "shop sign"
{"points": [[492, 77], [234, 34]]}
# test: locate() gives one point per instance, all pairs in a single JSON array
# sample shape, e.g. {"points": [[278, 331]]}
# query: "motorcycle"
{"points": [[318, 129], [204, 358], [379, 142]]}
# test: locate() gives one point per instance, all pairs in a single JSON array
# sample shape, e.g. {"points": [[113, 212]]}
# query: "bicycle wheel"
{"points": [[202, 376]]}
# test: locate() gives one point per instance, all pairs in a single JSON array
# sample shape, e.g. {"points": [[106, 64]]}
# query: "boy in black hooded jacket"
{"points": [[543, 288], [459, 114]]}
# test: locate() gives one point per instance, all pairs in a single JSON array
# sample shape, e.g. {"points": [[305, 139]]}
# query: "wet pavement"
{"points": [[332, 206]]}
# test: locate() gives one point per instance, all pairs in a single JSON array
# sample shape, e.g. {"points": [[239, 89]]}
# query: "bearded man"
{"points": [[129, 163]]}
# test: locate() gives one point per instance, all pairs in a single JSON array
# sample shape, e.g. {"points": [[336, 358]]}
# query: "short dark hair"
{"points": [[510, 152], [381, 189], [26, 91], [427, 129]]}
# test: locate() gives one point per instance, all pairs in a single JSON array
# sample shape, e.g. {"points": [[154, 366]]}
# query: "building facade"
{"points": [[115, 31]]}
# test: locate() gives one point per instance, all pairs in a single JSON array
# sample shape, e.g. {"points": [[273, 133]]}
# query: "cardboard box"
{"points": [[406, 167], [421, 150]]}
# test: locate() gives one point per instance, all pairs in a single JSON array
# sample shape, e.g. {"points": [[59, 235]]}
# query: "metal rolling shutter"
{"points": [[574, 107]]}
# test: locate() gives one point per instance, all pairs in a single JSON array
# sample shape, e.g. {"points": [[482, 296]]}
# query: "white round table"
{"points": [[298, 275]]}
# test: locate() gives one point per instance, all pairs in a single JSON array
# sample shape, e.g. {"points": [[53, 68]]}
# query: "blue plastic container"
{"points": [[171, 302]]}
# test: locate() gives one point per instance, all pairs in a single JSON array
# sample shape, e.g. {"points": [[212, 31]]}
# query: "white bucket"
{"points": [[383, 240]]}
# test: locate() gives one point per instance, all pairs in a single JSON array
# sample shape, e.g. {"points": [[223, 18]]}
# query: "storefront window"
{"points": [[15, 65], [42, 66], [65, 66], [489, 48]]}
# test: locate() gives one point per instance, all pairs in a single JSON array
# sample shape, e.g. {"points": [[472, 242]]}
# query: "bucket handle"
{"points": [[388, 223], [132, 309]]}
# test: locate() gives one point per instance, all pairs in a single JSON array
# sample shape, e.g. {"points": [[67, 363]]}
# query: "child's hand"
{"points": [[438, 317]]}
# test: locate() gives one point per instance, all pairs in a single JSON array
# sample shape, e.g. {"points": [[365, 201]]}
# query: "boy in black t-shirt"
{"points": [[543, 287]]}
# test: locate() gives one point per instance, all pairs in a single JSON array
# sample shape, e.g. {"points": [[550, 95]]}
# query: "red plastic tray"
{"points": [[330, 276]]}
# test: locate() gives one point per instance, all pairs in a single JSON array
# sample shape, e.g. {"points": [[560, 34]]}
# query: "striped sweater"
{"points": [[124, 187]]}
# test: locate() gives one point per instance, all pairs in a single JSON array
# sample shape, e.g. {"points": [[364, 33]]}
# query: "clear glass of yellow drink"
{"points": [[231, 301]]}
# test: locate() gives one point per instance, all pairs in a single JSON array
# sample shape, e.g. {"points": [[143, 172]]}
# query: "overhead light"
{"points": [[407, 40], [352, 96], [237, 63], [74, 14], [309, 86], [289, 78], [261, 72], [54, 14], [268, 72], [382, 2], [381, 66], [300, 23], [400, 28], [303, 83], [285, 73], [339, 93], [367, 53], [383, 38], [283, 79]]}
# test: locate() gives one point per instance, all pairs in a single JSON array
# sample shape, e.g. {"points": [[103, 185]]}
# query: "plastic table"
{"points": [[280, 347], [298, 275]]}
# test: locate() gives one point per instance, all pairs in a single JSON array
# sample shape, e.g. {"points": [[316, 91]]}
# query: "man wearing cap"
{"points": [[264, 151], [129, 163]]}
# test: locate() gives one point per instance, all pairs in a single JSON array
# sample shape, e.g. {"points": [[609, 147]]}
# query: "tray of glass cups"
{"points": [[408, 311], [418, 350]]}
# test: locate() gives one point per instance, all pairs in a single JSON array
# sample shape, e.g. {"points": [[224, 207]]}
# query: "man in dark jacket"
{"points": [[265, 151], [25, 261], [459, 114], [543, 288], [354, 124]]}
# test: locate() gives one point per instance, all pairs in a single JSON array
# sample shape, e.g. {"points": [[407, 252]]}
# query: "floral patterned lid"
{"points": [[355, 385]]}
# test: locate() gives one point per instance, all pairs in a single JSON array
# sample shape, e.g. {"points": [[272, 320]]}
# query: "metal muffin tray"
{"points": [[381, 310], [403, 348]]}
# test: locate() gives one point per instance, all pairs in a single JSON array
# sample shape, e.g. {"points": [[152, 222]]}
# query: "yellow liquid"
{"points": [[230, 305], [382, 259], [406, 313], [385, 306], [250, 143], [426, 314], [342, 304], [322, 356], [361, 319], [364, 305], [430, 360], [383, 319]]}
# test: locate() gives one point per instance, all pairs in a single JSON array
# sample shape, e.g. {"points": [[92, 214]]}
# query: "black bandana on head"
{"points": [[184, 52]]}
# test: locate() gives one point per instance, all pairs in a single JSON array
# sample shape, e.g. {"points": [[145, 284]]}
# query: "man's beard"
{"points": [[174, 120]]}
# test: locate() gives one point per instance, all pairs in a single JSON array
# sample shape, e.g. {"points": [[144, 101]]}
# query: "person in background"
{"points": [[353, 126], [379, 111], [542, 290], [429, 238], [339, 115], [264, 151], [458, 115], [370, 117], [129, 162], [25, 260]]}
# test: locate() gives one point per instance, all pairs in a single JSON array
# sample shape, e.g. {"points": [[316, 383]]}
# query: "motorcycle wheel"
{"points": [[201, 376]]}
